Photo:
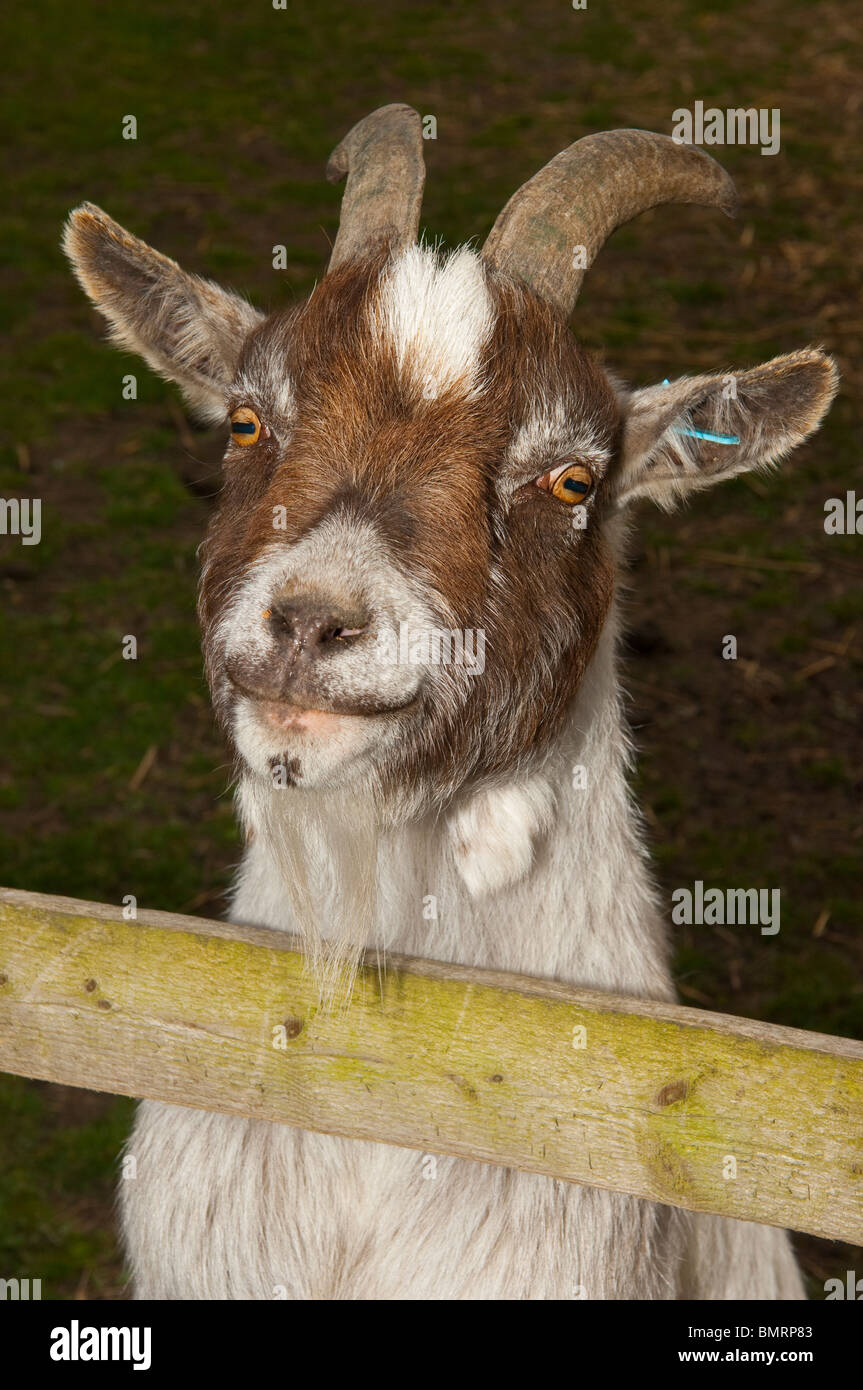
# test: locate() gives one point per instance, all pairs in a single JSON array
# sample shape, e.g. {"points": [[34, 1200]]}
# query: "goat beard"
{"points": [[325, 847]]}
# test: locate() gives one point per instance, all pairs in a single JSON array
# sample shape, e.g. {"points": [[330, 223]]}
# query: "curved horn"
{"points": [[584, 193], [383, 159]]}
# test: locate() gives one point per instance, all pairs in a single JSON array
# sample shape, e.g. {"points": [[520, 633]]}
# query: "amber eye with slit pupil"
{"points": [[245, 426], [574, 487], [571, 484]]}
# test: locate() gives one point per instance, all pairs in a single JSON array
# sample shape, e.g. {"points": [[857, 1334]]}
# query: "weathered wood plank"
{"points": [[645, 1098]]}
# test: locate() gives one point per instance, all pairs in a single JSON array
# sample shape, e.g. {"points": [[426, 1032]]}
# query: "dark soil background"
{"points": [[112, 779]]}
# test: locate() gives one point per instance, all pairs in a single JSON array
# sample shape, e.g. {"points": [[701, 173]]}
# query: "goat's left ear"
{"points": [[187, 329], [696, 431]]}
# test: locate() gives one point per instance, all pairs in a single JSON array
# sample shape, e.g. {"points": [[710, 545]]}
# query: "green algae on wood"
{"points": [[698, 1110]]}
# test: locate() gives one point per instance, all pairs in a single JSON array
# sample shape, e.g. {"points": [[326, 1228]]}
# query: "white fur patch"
{"points": [[226, 1207], [270, 386], [553, 432], [438, 314], [494, 835], [347, 560]]}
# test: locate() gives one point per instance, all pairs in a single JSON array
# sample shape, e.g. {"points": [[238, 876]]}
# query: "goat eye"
{"points": [[572, 483], [246, 428]]}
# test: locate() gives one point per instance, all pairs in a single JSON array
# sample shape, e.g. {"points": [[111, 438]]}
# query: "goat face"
{"points": [[411, 449], [386, 588]]}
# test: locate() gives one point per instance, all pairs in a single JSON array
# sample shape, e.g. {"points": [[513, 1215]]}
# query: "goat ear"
{"points": [[672, 432], [185, 328]]}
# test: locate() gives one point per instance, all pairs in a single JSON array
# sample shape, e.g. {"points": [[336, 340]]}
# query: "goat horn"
{"points": [[584, 193], [383, 159]]}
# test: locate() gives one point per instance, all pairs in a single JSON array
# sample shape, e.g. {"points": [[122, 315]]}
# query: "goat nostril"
{"points": [[344, 635], [281, 624], [308, 623]]}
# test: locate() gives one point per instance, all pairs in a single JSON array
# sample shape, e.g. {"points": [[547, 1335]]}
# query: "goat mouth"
{"points": [[288, 710]]}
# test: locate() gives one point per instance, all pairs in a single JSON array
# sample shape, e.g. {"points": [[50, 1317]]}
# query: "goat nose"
{"points": [[313, 624]]}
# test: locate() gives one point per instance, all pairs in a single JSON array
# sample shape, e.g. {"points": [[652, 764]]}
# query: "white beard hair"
{"points": [[325, 846]]}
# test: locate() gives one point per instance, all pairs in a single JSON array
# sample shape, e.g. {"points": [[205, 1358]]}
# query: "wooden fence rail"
{"points": [[695, 1109]]}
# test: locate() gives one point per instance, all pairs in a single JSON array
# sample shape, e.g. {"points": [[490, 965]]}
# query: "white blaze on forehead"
{"points": [[438, 315]]}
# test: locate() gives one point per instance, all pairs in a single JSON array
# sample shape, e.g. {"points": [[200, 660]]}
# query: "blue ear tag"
{"points": [[705, 434]]}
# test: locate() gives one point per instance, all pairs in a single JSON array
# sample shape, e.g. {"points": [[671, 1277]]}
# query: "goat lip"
{"points": [[286, 707], [293, 719]]}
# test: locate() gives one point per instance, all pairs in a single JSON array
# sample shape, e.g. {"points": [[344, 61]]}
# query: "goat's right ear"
{"points": [[187, 329]]}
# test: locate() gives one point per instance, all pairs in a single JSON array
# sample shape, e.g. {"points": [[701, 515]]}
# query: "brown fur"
{"points": [[363, 437]]}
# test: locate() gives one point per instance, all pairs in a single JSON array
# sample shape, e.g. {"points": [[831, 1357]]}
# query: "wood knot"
{"points": [[103, 1004], [674, 1091], [293, 1027], [497, 1077], [90, 985], [464, 1086]]}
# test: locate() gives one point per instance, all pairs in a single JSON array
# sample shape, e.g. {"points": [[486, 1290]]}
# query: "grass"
{"points": [[54, 1171]]}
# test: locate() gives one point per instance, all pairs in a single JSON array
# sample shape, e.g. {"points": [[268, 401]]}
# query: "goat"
{"points": [[420, 446]]}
